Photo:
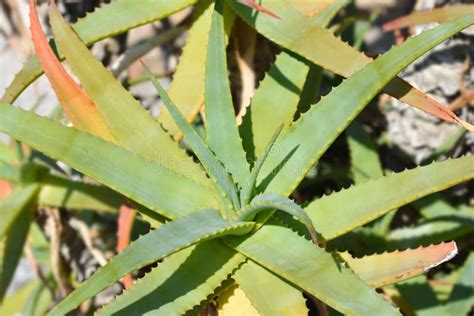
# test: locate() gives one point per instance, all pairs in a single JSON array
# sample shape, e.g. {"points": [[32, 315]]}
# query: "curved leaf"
{"points": [[179, 283], [112, 21], [268, 201], [282, 172], [388, 268], [78, 107], [159, 243], [130, 124], [343, 211], [312, 269], [299, 34], [152, 184], [438, 15]]}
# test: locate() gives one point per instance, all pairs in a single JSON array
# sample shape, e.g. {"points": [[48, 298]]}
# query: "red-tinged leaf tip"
{"points": [[253, 5], [429, 105], [125, 224], [443, 251], [78, 107], [392, 267], [5, 189]]}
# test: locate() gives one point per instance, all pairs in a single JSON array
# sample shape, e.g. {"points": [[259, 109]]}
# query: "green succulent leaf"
{"points": [[221, 126], [14, 205], [282, 172], [432, 231], [284, 81], [256, 282], [435, 205], [372, 199], [109, 164], [187, 87], [268, 201], [61, 192], [112, 21], [21, 202], [7, 153], [421, 298], [179, 283], [326, 14], [129, 123], [312, 269], [461, 300], [300, 35], [214, 168], [8, 171], [159, 243], [248, 188], [365, 163]]}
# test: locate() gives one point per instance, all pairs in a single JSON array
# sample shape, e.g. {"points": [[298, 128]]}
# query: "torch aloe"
{"points": [[218, 222]]}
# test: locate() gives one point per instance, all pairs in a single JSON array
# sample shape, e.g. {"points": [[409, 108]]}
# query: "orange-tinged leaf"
{"points": [[124, 230], [252, 4], [439, 15], [388, 268], [422, 101], [5, 189], [78, 107]]}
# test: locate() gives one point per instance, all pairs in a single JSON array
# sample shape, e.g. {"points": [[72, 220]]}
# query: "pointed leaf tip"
{"points": [[252, 4], [78, 106], [211, 164], [468, 126], [392, 267]]}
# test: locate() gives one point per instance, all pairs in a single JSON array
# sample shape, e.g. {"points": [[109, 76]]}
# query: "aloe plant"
{"points": [[224, 225]]}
